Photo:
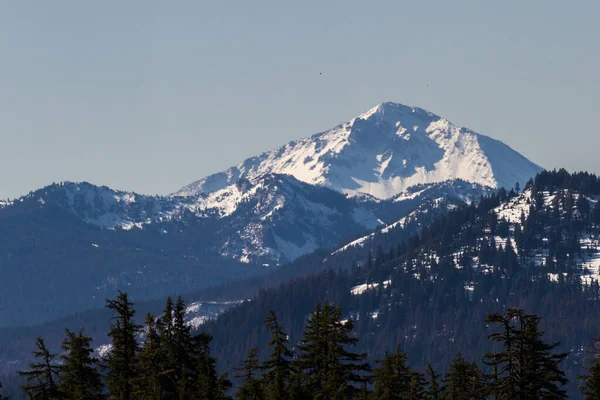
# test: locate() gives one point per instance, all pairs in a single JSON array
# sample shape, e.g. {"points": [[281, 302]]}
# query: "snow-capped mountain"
{"points": [[319, 193], [381, 153], [282, 204]]}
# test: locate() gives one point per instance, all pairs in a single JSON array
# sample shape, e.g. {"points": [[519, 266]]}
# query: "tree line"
{"points": [[163, 360]]}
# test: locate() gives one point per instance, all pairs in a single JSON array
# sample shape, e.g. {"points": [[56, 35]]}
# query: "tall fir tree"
{"points": [[393, 377], [416, 390], [464, 380], [209, 386], [121, 360], [251, 387], [79, 378], [277, 369], [181, 356], [149, 383], [42, 375], [166, 331], [329, 368], [435, 391], [527, 368]]}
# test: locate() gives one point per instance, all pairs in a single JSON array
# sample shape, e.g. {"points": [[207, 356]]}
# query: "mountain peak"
{"points": [[393, 110], [382, 153]]}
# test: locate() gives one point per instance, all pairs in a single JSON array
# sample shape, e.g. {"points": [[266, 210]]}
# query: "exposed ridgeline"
{"points": [[536, 249]]}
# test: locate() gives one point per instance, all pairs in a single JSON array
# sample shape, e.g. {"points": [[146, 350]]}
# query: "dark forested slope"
{"points": [[536, 250]]}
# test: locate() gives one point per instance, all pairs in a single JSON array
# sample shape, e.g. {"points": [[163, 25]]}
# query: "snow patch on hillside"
{"points": [[516, 207], [360, 289]]}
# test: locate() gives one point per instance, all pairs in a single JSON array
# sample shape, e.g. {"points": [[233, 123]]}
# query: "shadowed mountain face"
{"points": [[382, 153], [67, 247]]}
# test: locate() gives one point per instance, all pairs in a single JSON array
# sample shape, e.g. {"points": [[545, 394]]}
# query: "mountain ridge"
{"points": [[382, 152], [538, 250], [92, 240]]}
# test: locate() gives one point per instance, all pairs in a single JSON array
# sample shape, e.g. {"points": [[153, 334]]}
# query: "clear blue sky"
{"points": [[149, 96]]}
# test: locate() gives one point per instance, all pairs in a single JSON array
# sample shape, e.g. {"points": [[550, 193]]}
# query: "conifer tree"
{"points": [[527, 368], [251, 388], [181, 352], [434, 389], [464, 380], [329, 368], [297, 388], [164, 324], [41, 376], [79, 378], [590, 387], [277, 369], [209, 386], [595, 217], [416, 390], [121, 361], [393, 377], [149, 383], [590, 381], [166, 331]]}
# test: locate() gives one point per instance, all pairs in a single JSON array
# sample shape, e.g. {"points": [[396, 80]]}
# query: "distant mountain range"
{"points": [[66, 247]]}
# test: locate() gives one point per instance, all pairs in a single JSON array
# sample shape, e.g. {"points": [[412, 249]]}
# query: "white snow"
{"points": [[589, 263], [362, 240], [515, 207], [382, 153], [373, 154], [196, 314], [103, 350], [360, 289]]}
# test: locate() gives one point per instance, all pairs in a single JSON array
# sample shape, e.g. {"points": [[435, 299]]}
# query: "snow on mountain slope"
{"points": [[382, 153], [585, 262], [577, 256], [104, 207], [196, 314], [515, 209], [313, 193], [426, 203], [271, 220], [279, 219]]}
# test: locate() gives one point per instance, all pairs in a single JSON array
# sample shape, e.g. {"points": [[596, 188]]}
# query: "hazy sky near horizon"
{"points": [[152, 95]]}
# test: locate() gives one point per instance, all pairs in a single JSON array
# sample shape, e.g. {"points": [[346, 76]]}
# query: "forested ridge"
{"points": [[163, 360], [402, 323], [430, 293]]}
